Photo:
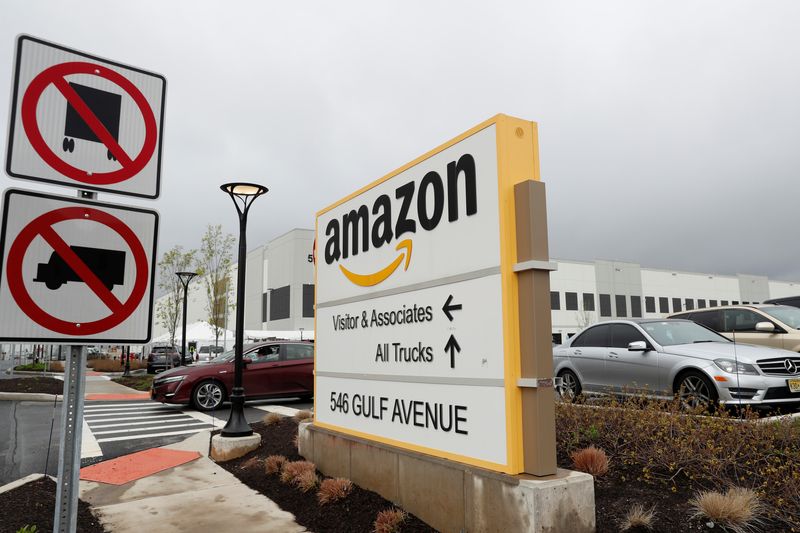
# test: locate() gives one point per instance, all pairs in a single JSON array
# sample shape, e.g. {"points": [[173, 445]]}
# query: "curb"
{"points": [[34, 373], [23, 481], [30, 397]]}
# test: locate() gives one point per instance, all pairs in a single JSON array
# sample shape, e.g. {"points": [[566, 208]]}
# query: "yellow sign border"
{"points": [[517, 161]]}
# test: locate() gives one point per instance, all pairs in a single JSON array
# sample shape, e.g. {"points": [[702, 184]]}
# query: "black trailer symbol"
{"points": [[107, 265], [104, 105]]}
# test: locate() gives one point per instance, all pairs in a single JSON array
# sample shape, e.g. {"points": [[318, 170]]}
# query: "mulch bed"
{"points": [[615, 494], [620, 489], [32, 384], [34, 504], [356, 512]]}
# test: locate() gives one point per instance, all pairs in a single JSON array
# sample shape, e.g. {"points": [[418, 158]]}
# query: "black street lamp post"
{"points": [[243, 196], [185, 278]]}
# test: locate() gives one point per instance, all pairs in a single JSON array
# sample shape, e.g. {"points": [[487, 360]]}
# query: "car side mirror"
{"points": [[767, 327], [246, 361], [638, 346]]}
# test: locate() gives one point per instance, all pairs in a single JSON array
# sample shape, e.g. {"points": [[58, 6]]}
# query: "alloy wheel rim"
{"points": [[567, 388], [694, 392], [209, 395]]}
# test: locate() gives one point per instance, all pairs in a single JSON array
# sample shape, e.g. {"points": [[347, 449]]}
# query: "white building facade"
{"points": [[279, 289]]}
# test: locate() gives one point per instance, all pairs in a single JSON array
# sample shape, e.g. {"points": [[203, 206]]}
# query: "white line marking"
{"points": [[126, 408], [150, 435], [135, 418], [89, 446], [101, 426], [131, 430], [97, 414], [96, 404], [280, 409]]}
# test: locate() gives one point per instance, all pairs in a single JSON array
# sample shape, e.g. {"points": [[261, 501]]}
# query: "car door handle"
{"points": [[578, 352], [613, 355]]}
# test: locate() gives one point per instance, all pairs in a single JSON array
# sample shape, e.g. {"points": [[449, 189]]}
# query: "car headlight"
{"points": [[732, 367], [170, 380]]}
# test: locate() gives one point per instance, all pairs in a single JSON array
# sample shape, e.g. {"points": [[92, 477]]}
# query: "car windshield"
{"points": [[671, 332], [788, 315], [223, 358]]}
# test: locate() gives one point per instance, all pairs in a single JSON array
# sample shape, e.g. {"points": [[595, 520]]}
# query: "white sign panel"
{"points": [[409, 339], [75, 271], [86, 122]]}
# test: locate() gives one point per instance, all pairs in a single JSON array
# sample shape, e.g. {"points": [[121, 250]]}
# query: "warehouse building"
{"points": [[280, 290]]}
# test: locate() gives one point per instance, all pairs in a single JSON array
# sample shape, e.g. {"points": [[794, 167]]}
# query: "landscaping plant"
{"points": [[389, 521], [273, 464], [638, 518], [333, 489], [737, 509], [591, 460], [660, 444], [271, 419]]}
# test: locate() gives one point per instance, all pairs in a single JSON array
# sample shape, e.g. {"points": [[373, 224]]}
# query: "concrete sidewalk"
{"points": [[198, 496], [100, 387]]}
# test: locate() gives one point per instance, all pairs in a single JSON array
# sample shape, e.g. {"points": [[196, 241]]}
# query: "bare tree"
{"points": [[584, 318], [168, 310], [215, 260]]}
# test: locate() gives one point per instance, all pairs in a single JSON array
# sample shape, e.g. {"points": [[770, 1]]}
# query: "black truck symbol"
{"points": [[104, 105], [107, 265]]}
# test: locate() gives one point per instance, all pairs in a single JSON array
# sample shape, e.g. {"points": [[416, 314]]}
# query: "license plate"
{"points": [[794, 385]]}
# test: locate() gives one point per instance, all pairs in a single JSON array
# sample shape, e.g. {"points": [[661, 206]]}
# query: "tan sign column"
{"points": [[536, 352]]}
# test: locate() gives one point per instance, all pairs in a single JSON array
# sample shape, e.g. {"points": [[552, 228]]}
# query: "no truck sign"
{"points": [[75, 270], [86, 122]]}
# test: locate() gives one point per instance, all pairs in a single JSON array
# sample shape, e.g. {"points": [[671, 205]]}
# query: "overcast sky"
{"points": [[669, 131]]}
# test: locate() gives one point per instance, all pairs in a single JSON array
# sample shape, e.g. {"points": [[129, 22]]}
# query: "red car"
{"points": [[271, 369]]}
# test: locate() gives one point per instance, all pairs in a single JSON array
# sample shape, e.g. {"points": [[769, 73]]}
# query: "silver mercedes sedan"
{"points": [[665, 357]]}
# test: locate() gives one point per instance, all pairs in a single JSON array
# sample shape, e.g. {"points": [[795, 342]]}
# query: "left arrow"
{"points": [[450, 306], [452, 347]]}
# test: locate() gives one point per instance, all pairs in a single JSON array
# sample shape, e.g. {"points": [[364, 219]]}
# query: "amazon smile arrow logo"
{"points": [[368, 280]]}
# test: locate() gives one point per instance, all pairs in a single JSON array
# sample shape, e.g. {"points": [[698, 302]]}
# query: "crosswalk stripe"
{"points": [[132, 430], [134, 418], [101, 426], [131, 408], [100, 405], [150, 435]]}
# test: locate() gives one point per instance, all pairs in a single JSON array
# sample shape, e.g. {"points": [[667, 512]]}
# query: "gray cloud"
{"points": [[668, 130]]}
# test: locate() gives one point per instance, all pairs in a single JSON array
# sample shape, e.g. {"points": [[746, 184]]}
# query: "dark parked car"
{"points": [[271, 369], [161, 358], [794, 301]]}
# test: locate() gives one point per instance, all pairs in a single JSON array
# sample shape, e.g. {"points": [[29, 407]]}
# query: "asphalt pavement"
{"points": [[111, 429], [25, 439]]}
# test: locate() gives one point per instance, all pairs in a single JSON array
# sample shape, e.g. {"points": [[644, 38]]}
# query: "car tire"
{"points": [[208, 395], [695, 390], [570, 387], [151, 370]]}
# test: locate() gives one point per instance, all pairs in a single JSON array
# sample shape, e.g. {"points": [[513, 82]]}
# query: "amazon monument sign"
{"points": [[416, 303]]}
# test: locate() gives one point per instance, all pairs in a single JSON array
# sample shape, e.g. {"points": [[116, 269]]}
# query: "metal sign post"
{"points": [[69, 457]]}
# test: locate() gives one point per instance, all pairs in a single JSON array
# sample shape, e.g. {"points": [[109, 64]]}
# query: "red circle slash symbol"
{"points": [[43, 226], [55, 75]]}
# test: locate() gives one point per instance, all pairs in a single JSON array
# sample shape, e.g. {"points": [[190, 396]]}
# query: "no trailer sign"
{"points": [[86, 122], [75, 271]]}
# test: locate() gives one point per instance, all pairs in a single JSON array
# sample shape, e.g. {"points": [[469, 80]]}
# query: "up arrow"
{"points": [[448, 307], [452, 347]]}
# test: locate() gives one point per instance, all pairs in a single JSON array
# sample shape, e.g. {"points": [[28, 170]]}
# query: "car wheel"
{"points": [[570, 387], [151, 370], [695, 391], [208, 395]]}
